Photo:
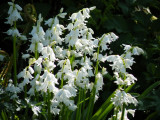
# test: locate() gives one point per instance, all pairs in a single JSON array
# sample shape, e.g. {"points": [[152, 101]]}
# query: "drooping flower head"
{"points": [[13, 13]]}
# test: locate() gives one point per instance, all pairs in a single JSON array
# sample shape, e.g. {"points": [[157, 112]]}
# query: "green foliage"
{"points": [[151, 102]]}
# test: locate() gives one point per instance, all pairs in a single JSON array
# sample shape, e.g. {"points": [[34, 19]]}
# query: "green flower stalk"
{"points": [[14, 15], [123, 112], [15, 57], [48, 105], [93, 93]]}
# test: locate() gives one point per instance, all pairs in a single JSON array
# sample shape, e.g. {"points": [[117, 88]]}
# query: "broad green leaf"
{"points": [[124, 7], [151, 68], [119, 23]]}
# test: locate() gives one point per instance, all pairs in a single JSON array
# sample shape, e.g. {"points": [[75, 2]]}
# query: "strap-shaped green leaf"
{"points": [[107, 106], [149, 89], [4, 115]]}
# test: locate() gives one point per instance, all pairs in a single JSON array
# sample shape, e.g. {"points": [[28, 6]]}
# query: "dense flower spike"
{"points": [[13, 13], [14, 16], [123, 78], [121, 97]]}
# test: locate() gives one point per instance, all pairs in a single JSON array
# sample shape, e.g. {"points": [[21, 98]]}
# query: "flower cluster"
{"points": [[14, 16], [123, 78], [64, 60]]}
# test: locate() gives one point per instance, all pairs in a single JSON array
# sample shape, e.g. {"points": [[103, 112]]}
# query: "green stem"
{"points": [[115, 113], [14, 58], [49, 104], [72, 58], [123, 111], [68, 116], [62, 81], [84, 101], [93, 93], [36, 57], [78, 113], [36, 50], [84, 57], [44, 97], [61, 112]]}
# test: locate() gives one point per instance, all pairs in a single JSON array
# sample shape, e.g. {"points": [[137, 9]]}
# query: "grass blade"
{"points": [[107, 106], [149, 89]]}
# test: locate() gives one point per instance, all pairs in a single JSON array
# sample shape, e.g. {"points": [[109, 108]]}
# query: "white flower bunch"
{"points": [[121, 97], [65, 62], [123, 78], [119, 114], [14, 16], [13, 13], [13, 89]]}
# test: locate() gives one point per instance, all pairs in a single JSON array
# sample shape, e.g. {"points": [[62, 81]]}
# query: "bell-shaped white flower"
{"points": [[99, 83], [121, 97], [13, 32], [14, 14]]}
